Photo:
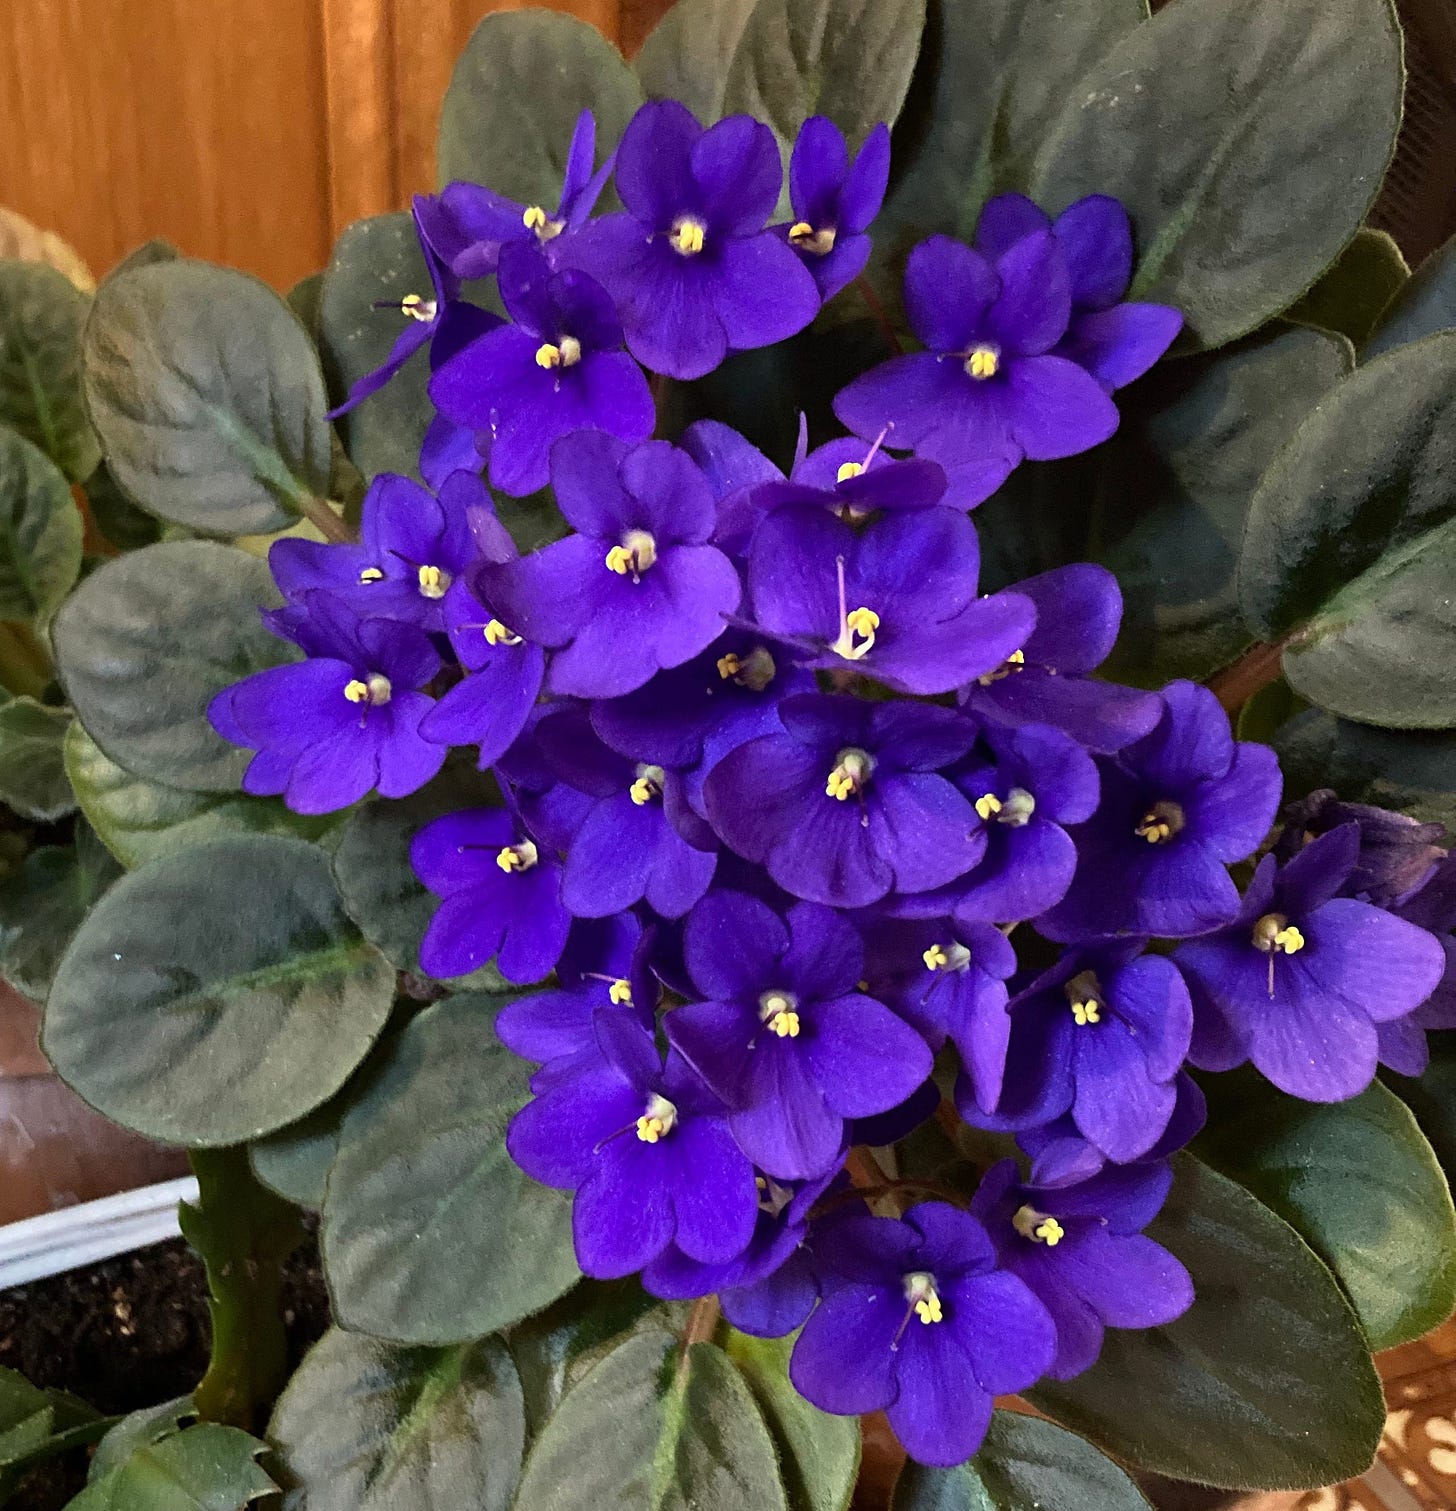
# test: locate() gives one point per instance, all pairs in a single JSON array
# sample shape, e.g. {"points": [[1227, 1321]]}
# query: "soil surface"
{"points": [[128, 1333]]}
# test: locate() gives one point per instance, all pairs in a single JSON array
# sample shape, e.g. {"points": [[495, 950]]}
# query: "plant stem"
{"points": [[701, 1325], [1237, 682], [332, 526], [25, 666], [877, 309], [243, 1233]]}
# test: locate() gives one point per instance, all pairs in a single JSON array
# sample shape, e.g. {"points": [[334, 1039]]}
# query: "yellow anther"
{"points": [[729, 666], [1274, 934], [356, 691], [924, 1301], [650, 1130], [807, 239], [983, 362], [1051, 1232], [619, 559], [858, 635], [632, 558], [1084, 997], [988, 805], [648, 785], [370, 574], [1289, 940], [620, 992], [567, 354], [687, 236], [1157, 833], [848, 470], [1015, 662], [534, 219], [1086, 1012], [935, 958], [785, 1025], [657, 1121], [376, 690], [849, 774], [778, 1011], [840, 785], [799, 230], [418, 308], [517, 857], [754, 671], [433, 582], [497, 634], [1038, 1227], [1161, 822], [928, 1309]]}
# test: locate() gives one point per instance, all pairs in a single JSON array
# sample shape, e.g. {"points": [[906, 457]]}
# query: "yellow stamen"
{"points": [[729, 666], [1274, 934], [356, 691], [620, 992], [567, 354], [517, 857], [988, 805], [534, 219], [1289, 940], [1015, 662], [935, 958], [785, 1025], [851, 771], [658, 1121], [370, 574], [928, 1310], [754, 671], [497, 634], [807, 239], [1161, 822], [1038, 1227], [1087, 1012], [634, 556], [983, 362], [648, 785], [687, 236], [1084, 996], [924, 1300], [857, 637], [433, 582], [377, 690], [418, 308], [848, 470], [779, 1013]]}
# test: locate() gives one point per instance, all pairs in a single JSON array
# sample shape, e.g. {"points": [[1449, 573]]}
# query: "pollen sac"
{"points": [[851, 771], [946, 957], [635, 555], [648, 785], [620, 992], [566, 353], [754, 671], [983, 362], [779, 1012], [1015, 662], [433, 582], [497, 634], [923, 1297], [370, 574], [520, 857], [857, 636], [1084, 996], [1161, 823], [1037, 1227], [545, 227], [375, 691], [687, 236], [988, 805], [807, 239], [657, 1121], [1274, 934], [848, 470], [418, 308]]}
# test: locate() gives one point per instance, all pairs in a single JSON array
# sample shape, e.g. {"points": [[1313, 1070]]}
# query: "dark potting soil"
{"points": [[128, 1333]]}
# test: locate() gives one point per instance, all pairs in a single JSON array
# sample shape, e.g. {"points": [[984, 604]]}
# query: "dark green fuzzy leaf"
{"points": [[41, 317], [1425, 305], [431, 1234], [42, 905], [207, 397], [1413, 770], [139, 1430], [32, 774], [818, 1453], [1266, 1383], [514, 97], [202, 1468], [1350, 547], [370, 1426], [1349, 298], [158, 249], [39, 1424], [375, 260], [1247, 140], [850, 60], [1431, 1097], [144, 644], [1024, 1465], [217, 994], [639, 1430], [688, 54], [1358, 1182], [1266, 713], [118, 519], [40, 532], [295, 1162], [377, 882]]}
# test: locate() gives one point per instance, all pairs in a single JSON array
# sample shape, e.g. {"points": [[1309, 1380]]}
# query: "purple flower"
{"points": [[834, 200], [1301, 977], [1047, 681], [920, 1323], [631, 845], [1061, 1143], [1102, 1036], [413, 546], [1178, 806], [332, 728], [846, 805], [499, 896], [1397, 853], [988, 386], [896, 601], [468, 226], [783, 1034], [1431, 907], [637, 589], [1115, 341], [560, 367], [647, 1150], [690, 265], [1077, 1243]]}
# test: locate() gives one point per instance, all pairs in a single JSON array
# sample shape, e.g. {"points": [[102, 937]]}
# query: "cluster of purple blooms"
{"points": [[785, 794]]}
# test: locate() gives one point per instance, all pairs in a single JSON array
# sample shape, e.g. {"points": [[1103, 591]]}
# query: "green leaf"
{"points": [[1413, 770], [117, 518], [295, 1162], [992, 76], [641, 1430], [378, 884], [42, 905], [41, 317], [375, 261], [1247, 140], [39, 1424], [818, 1454], [32, 775], [1351, 544], [1265, 1383], [1266, 712], [147, 641], [431, 1234], [140, 820], [207, 397], [369, 1426], [1349, 298], [688, 54], [1431, 1097], [850, 60], [514, 97], [217, 994], [1424, 305], [139, 1430], [1358, 1182], [202, 1468], [1024, 1465], [40, 531]]}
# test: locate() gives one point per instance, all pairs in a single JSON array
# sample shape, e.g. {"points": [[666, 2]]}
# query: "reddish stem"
{"points": [[877, 309], [1236, 683]]}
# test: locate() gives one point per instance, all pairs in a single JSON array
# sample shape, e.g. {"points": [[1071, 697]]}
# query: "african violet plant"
{"points": [[746, 907]]}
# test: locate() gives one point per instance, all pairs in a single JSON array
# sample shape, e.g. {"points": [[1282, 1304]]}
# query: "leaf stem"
{"points": [[701, 1324], [877, 309], [1234, 684], [332, 526], [25, 666]]}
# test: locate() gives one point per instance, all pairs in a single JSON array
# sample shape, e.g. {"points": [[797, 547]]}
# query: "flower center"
{"points": [[772, 1197], [1037, 1227], [857, 635], [370, 574], [687, 235], [634, 556], [1084, 995], [1015, 810], [538, 221], [433, 582], [375, 691], [807, 239], [779, 1013], [951, 957], [620, 992], [851, 772], [1274, 933], [517, 857], [657, 1121], [418, 308], [754, 671], [497, 634], [924, 1299], [565, 354], [648, 785], [983, 362], [1015, 662], [1161, 822]]}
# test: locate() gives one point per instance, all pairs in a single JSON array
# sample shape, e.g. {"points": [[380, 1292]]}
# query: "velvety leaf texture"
{"points": [[42, 905], [1426, 304], [1368, 275], [40, 532], [687, 55], [202, 1468], [32, 775]]}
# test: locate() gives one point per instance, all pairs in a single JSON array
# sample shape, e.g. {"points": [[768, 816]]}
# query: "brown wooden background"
{"points": [[245, 131]]}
